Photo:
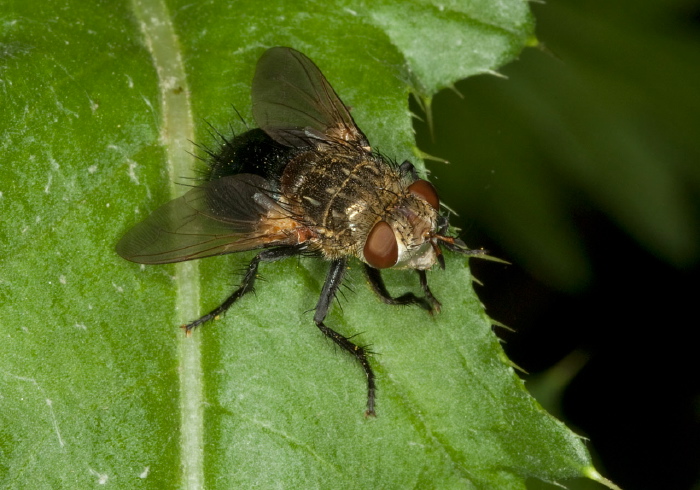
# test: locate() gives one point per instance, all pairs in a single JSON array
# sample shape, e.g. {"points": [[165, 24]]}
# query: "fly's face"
{"points": [[402, 238], [409, 236], [415, 222]]}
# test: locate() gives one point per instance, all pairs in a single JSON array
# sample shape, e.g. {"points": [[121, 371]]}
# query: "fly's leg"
{"points": [[434, 303], [374, 276], [247, 284], [330, 287]]}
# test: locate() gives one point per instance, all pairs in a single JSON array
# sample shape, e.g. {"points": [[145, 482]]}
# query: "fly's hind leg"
{"points": [[247, 284], [428, 303], [330, 287]]}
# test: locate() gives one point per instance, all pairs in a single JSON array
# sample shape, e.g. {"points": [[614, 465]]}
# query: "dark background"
{"points": [[582, 168]]}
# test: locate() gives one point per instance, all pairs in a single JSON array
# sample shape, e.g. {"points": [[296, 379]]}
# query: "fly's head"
{"points": [[410, 234]]}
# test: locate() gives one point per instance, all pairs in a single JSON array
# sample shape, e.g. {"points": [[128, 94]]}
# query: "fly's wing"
{"points": [[296, 106], [222, 216]]}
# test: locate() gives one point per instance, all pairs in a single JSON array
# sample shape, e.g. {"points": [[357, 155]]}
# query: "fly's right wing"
{"points": [[296, 106], [230, 214]]}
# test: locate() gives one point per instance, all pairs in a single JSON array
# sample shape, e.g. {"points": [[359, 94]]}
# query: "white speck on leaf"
{"points": [[48, 184], [171, 83], [145, 472], [101, 477], [118, 288], [148, 103], [49, 403], [132, 175], [80, 326], [62, 279], [92, 169]]}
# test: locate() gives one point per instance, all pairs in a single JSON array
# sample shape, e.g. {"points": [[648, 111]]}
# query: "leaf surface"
{"points": [[99, 386]]}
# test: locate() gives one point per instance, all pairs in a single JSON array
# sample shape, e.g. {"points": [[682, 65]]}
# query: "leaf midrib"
{"points": [[176, 132]]}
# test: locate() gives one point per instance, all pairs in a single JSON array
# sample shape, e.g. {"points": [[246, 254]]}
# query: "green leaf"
{"points": [[98, 384]]}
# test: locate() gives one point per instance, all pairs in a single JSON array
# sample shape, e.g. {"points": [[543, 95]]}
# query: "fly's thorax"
{"points": [[340, 194]]}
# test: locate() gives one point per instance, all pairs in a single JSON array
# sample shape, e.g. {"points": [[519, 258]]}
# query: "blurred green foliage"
{"points": [[605, 118]]}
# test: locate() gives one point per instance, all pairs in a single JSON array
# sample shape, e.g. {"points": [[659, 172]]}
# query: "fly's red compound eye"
{"points": [[381, 250], [426, 191]]}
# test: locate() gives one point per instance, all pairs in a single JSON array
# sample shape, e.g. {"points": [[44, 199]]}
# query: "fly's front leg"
{"points": [[246, 285], [374, 276], [330, 287], [434, 303]]}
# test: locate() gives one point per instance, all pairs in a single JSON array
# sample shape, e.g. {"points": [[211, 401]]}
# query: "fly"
{"points": [[306, 182]]}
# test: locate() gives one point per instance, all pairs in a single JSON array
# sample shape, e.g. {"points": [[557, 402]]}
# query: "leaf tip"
{"points": [[532, 42], [592, 473]]}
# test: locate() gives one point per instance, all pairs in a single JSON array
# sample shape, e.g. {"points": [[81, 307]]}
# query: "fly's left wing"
{"points": [[230, 214], [296, 106]]}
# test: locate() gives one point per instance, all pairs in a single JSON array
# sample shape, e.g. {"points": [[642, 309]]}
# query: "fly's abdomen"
{"points": [[252, 152]]}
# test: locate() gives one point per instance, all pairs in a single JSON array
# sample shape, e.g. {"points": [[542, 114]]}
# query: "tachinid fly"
{"points": [[305, 183]]}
